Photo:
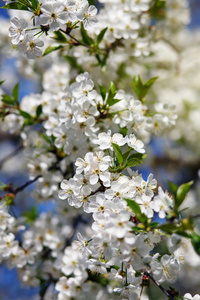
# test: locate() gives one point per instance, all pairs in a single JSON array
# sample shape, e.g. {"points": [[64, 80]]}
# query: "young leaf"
{"points": [[39, 111], [59, 37], [1, 82], [103, 91], [126, 154], [25, 114], [35, 4], [136, 209], [101, 36], [173, 188], [50, 49], [135, 159], [112, 88], [168, 227], [15, 93], [181, 193], [31, 215], [8, 99], [85, 37], [73, 63], [2, 186], [111, 102], [15, 5], [118, 152], [133, 162], [140, 88], [195, 240]]}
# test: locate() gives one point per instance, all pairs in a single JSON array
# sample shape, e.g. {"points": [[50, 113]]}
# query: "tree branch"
{"points": [[10, 155], [29, 182], [160, 287]]}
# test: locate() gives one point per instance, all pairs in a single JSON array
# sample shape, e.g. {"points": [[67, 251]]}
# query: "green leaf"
{"points": [[103, 91], [121, 71], [173, 188], [140, 88], [126, 154], [25, 114], [50, 49], [15, 5], [137, 86], [154, 224], [118, 152], [2, 186], [181, 193], [15, 93], [39, 111], [139, 156], [85, 37], [135, 159], [111, 95], [136, 209], [73, 63], [1, 82], [35, 4], [133, 162], [8, 99], [111, 102], [168, 227], [112, 88], [100, 36], [158, 9], [31, 215], [195, 240], [60, 37]]}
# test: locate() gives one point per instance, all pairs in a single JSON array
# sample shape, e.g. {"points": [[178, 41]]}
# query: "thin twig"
{"points": [[73, 38], [195, 216], [160, 287], [29, 182], [10, 155]]}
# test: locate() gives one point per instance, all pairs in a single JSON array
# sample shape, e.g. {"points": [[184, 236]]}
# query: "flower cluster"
{"points": [[112, 229]]}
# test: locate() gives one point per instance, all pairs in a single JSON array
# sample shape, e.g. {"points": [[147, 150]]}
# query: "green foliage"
{"points": [[195, 240], [3, 186], [73, 63], [85, 37], [158, 9], [140, 88], [59, 37], [103, 91], [31, 215], [181, 193], [15, 93], [136, 209], [23, 5], [50, 49], [118, 152], [8, 99], [173, 188], [16, 5], [135, 159], [124, 160], [39, 111], [14, 98], [101, 36], [111, 95]]}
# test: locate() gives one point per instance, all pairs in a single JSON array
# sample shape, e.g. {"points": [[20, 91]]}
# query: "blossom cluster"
{"points": [[82, 135], [54, 15]]}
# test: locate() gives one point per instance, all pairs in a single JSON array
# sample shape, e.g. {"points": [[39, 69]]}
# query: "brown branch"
{"points": [[10, 155], [160, 287], [22, 187]]}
